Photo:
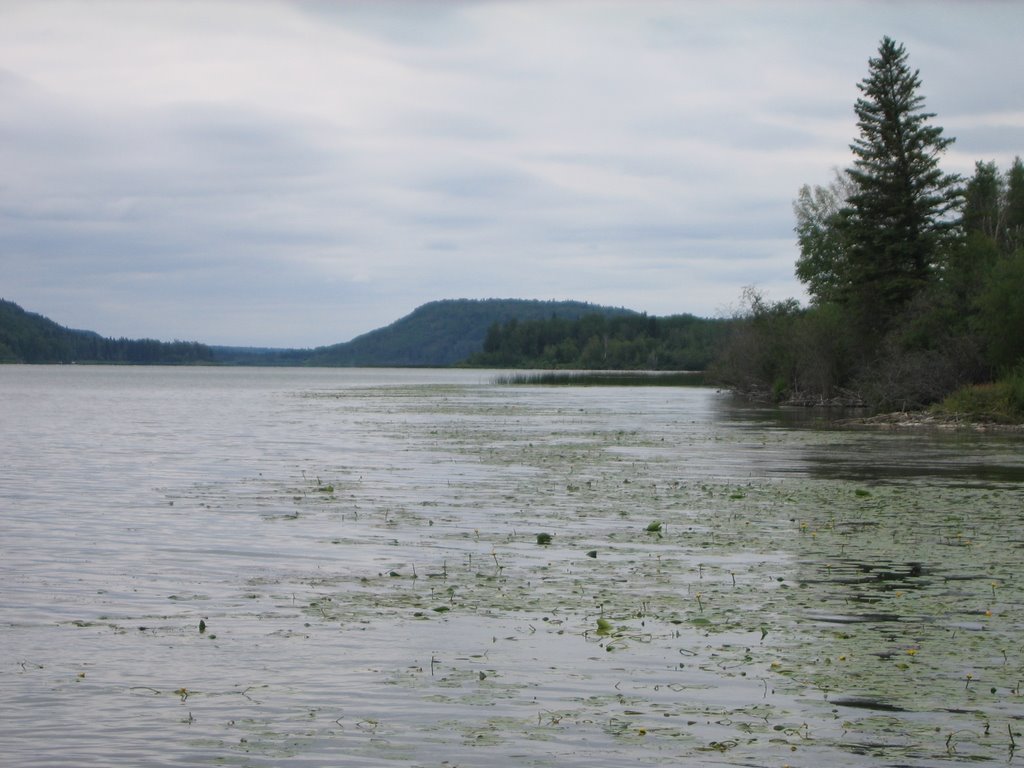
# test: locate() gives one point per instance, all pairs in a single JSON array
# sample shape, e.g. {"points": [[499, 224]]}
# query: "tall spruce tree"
{"points": [[897, 217]]}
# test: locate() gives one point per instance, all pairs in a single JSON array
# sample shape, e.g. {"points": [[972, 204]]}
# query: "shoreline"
{"points": [[925, 420]]}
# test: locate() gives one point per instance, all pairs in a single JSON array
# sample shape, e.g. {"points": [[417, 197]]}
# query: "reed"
{"points": [[607, 378]]}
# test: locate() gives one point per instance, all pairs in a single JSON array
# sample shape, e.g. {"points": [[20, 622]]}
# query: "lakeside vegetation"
{"points": [[604, 342], [998, 402], [915, 275], [607, 378]]}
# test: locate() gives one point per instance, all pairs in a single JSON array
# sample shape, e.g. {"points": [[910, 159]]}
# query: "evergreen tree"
{"points": [[897, 218], [983, 202], [1013, 212]]}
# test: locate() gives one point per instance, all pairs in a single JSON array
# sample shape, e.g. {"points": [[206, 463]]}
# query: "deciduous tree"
{"points": [[823, 264]]}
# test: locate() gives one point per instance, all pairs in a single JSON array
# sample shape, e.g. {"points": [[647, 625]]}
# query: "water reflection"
{"points": [[827, 448]]}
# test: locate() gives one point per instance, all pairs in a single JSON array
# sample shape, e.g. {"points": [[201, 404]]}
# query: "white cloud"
{"points": [[296, 173]]}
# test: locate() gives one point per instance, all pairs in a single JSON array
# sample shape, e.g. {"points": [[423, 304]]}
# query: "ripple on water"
{"points": [[362, 551]]}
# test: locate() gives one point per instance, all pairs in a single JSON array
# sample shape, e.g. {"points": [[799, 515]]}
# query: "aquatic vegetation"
{"points": [[760, 597], [606, 378], [797, 555]]}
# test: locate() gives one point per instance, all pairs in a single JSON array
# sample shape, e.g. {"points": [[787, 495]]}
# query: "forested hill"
{"points": [[514, 333], [26, 337], [446, 332]]}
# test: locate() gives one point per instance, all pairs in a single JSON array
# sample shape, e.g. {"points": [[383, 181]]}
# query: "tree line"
{"points": [[915, 275], [604, 342]]}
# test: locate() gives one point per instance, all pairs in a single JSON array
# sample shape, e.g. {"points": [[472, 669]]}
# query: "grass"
{"points": [[1000, 402]]}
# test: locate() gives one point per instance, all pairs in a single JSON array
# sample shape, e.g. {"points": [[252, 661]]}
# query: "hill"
{"points": [[506, 333], [26, 337], [446, 332]]}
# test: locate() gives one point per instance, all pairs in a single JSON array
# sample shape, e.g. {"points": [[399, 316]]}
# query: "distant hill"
{"points": [[446, 332], [513, 333], [26, 337]]}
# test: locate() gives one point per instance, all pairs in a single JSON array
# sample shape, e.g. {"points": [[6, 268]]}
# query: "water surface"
{"points": [[723, 584]]}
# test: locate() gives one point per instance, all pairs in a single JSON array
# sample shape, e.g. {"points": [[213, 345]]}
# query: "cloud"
{"points": [[296, 173]]}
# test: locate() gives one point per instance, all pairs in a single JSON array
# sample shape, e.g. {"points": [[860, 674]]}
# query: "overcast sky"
{"points": [[298, 173]]}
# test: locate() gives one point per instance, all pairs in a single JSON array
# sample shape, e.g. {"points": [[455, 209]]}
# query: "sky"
{"points": [[294, 174]]}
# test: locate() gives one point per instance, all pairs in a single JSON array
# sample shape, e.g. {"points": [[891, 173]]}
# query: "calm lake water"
{"points": [[263, 567]]}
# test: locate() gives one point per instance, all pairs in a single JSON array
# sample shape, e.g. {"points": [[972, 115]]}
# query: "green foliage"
{"points": [[1001, 401], [1013, 216], [26, 337], [873, 239], [262, 356], [603, 342], [897, 216], [1000, 305], [822, 365], [777, 348], [823, 240], [983, 198], [969, 264], [915, 280]]}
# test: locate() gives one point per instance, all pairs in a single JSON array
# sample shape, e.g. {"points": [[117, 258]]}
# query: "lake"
{"points": [[292, 567]]}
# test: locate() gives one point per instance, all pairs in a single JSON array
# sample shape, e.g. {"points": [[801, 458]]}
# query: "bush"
{"points": [[759, 358], [909, 379], [1001, 312]]}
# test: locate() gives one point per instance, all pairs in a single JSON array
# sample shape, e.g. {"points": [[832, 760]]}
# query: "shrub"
{"points": [[1000, 402]]}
